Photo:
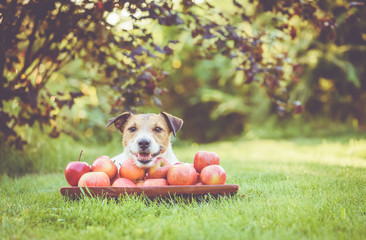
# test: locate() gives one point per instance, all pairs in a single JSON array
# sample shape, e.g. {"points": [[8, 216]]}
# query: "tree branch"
{"points": [[27, 58]]}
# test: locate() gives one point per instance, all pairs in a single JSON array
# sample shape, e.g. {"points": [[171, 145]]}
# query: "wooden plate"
{"points": [[152, 192]]}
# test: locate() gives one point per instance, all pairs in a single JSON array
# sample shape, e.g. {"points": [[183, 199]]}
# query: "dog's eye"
{"points": [[132, 129], [158, 129]]}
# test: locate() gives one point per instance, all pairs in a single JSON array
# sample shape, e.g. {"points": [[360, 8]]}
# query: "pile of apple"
{"points": [[205, 170]]}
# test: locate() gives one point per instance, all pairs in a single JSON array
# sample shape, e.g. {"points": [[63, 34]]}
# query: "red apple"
{"points": [[131, 171], [203, 159], [212, 175], [155, 182], [182, 174], [123, 182], [94, 179], [104, 164], [160, 168], [74, 171]]}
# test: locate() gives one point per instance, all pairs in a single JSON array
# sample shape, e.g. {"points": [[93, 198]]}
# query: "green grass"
{"points": [[294, 189]]}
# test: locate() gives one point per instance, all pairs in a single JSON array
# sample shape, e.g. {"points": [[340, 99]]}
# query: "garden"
{"points": [[276, 89]]}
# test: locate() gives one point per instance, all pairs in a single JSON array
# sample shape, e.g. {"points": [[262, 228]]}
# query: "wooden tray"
{"points": [[152, 192]]}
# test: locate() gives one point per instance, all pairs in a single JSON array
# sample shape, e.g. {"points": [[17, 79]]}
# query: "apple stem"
{"points": [[80, 154]]}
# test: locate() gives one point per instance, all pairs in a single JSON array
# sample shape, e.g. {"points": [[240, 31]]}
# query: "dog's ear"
{"points": [[174, 123], [119, 121]]}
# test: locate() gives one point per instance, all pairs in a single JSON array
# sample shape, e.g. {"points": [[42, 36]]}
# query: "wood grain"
{"points": [[152, 192]]}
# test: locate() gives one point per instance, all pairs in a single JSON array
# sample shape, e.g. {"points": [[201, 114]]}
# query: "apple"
{"points": [[129, 170], [94, 179], [115, 178], [74, 171], [178, 163], [104, 164], [182, 174], [139, 183], [123, 182], [203, 159], [155, 182], [160, 168], [212, 175]]}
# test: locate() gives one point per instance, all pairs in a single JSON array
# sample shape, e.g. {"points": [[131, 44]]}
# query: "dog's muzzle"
{"points": [[145, 157]]}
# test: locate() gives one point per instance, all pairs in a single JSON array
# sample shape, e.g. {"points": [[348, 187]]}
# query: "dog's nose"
{"points": [[144, 144]]}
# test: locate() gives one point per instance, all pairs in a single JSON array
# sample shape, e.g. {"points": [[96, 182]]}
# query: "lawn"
{"points": [[294, 189]]}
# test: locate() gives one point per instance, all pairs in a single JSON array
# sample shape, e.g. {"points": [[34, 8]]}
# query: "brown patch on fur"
{"points": [[146, 123]]}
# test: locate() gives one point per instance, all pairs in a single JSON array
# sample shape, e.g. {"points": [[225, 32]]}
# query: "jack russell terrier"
{"points": [[146, 137]]}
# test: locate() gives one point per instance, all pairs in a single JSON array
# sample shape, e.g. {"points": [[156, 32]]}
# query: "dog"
{"points": [[146, 137]]}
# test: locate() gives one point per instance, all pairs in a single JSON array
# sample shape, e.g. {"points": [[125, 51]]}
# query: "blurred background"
{"points": [[233, 70]]}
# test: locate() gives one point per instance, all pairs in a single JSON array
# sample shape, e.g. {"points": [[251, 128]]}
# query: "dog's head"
{"points": [[146, 136]]}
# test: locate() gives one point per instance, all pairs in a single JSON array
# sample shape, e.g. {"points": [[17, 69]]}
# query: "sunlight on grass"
{"points": [[303, 188]]}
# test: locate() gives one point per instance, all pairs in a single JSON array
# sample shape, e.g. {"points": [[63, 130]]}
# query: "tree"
{"points": [[37, 37]]}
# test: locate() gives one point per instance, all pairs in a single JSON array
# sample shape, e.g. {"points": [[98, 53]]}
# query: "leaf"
{"points": [[245, 17], [76, 94], [168, 50], [138, 51], [158, 102], [208, 35], [236, 4], [151, 54], [157, 48], [209, 5], [4, 128], [351, 72], [19, 143], [220, 44], [170, 20], [348, 68], [54, 133], [144, 77], [293, 33]]}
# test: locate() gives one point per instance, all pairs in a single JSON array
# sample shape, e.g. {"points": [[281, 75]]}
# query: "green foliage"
{"points": [[67, 66], [121, 53], [39, 37], [211, 97], [312, 190], [217, 100], [333, 69]]}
